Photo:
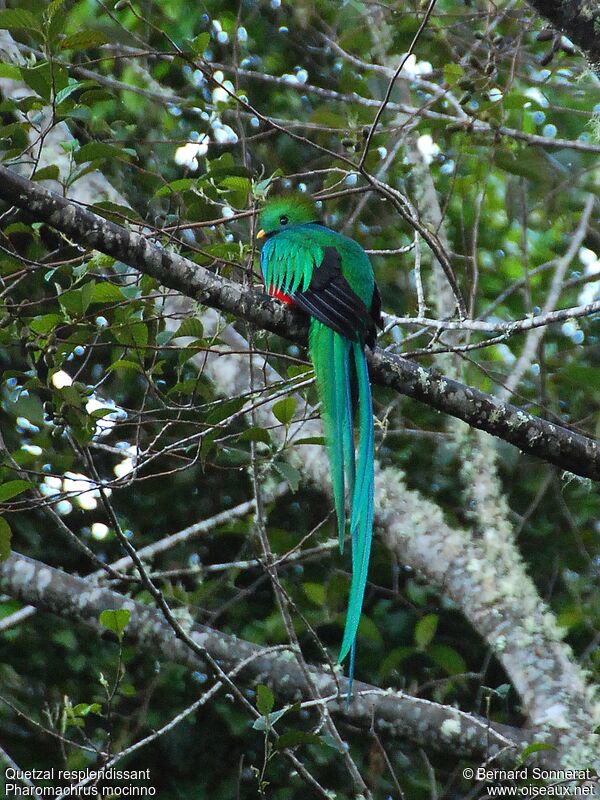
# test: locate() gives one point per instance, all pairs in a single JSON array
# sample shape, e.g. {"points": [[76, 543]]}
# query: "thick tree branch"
{"points": [[394, 715], [479, 568], [562, 447]]}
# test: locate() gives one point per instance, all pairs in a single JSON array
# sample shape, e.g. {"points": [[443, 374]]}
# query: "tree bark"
{"points": [[394, 715], [558, 445]]}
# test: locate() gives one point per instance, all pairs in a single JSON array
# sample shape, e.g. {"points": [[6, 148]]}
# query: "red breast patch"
{"points": [[280, 296]]}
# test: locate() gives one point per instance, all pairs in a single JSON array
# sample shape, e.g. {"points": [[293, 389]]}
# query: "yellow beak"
{"points": [[261, 234]]}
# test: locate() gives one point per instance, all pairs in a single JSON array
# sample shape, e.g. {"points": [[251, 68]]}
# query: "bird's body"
{"points": [[305, 245], [330, 277]]}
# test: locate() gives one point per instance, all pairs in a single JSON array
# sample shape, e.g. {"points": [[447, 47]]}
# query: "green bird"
{"points": [[329, 276]]}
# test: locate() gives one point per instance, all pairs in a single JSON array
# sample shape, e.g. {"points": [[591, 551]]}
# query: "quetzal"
{"points": [[329, 276]]}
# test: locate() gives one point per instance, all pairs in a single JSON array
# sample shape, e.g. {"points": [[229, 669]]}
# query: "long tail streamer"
{"points": [[333, 357]]}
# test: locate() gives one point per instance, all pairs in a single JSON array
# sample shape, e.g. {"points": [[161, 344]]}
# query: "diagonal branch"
{"points": [[560, 446], [480, 569], [394, 715], [535, 336]]}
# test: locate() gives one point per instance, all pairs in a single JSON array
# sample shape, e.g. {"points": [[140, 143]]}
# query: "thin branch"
{"points": [[535, 336], [167, 543], [438, 727], [460, 121], [392, 81], [564, 448], [507, 328]]}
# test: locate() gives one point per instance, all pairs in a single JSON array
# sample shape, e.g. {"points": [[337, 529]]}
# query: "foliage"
{"points": [[192, 113]]}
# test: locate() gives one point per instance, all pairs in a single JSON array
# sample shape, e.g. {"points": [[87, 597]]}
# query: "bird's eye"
{"points": [[283, 220]]}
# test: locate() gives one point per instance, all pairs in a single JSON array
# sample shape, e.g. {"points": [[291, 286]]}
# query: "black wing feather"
{"points": [[331, 300], [376, 308], [317, 307]]}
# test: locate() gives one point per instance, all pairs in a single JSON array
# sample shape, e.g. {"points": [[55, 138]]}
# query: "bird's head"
{"points": [[290, 209]]}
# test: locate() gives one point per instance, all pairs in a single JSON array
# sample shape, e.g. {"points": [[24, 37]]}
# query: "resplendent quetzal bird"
{"points": [[329, 276]]}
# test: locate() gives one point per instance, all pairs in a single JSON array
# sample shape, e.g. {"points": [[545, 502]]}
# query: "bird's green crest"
{"points": [[288, 209]]}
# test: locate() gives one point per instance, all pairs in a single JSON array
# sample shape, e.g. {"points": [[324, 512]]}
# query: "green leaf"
{"points": [[310, 440], [9, 265], [100, 413], [49, 173], [13, 19], [267, 721], [571, 617], [10, 71], [238, 186], [329, 741], [453, 73], [39, 79], [105, 292], [190, 327], [122, 363], [132, 334], [285, 409], [179, 185], [394, 660], [13, 135], [115, 620], [262, 187], [200, 43], [70, 89], [417, 593], [294, 738], [255, 435], [54, 7], [190, 350], [294, 370], [163, 338], [5, 539], [447, 658], [65, 638], [12, 489], [315, 592], [235, 183], [83, 39], [220, 172], [71, 395], [534, 747], [76, 301], [83, 709], [45, 323], [71, 302], [54, 22], [579, 375], [100, 150], [289, 473], [425, 630], [526, 164], [368, 629], [28, 406], [224, 410], [264, 699], [325, 116], [188, 387]]}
